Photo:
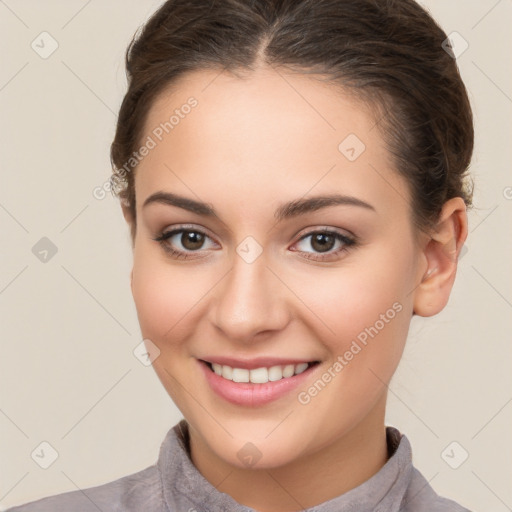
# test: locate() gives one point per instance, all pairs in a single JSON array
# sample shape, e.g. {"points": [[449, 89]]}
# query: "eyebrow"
{"points": [[286, 211]]}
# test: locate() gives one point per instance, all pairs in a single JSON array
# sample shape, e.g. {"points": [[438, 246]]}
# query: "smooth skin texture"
{"points": [[249, 146]]}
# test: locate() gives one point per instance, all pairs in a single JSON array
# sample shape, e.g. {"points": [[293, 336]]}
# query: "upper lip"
{"points": [[257, 362]]}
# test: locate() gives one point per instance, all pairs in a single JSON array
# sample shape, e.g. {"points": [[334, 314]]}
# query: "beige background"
{"points": [[68, 374]]}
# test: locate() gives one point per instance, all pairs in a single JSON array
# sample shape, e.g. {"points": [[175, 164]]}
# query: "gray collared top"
{"points": [[174, 484]]}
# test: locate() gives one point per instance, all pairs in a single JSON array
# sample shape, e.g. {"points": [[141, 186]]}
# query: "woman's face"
{"points": [[289, 240]]}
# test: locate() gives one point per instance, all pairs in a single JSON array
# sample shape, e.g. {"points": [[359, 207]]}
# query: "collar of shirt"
{"points": [[184, 486]]}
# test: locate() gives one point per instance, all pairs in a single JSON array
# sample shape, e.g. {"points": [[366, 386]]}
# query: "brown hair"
{"points": [[389, 52]]}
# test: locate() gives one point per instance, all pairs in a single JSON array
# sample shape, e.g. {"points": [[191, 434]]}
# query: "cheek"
{"points": [[352, 300], [165, 296], [370, 323], [364, 309]]}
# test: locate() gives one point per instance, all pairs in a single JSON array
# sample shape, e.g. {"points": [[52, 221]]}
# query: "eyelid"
{"points": [[176, 228], [311, 230], [301, 234]]}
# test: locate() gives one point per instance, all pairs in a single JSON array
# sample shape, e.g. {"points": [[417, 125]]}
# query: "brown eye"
{"points": [[185, 241], [192, 240], [323, 245], [322, 242]]}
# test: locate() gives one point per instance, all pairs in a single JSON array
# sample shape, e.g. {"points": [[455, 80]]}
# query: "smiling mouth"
{"points": [[259, 375]]}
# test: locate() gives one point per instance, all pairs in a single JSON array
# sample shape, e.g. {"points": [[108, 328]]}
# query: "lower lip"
{"points": [[253, 395]]}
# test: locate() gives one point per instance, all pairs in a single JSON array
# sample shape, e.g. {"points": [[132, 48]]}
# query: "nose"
{"points": [[251, 301]]}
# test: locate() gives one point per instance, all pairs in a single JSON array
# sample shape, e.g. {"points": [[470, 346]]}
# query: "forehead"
{"points": [[268, 132]]}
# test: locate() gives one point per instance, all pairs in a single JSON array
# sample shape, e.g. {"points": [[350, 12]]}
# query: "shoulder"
{"points": [[421, 497], [132, 493]]}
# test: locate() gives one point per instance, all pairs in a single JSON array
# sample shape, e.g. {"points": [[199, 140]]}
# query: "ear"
{"points": [[128, 217], [125, 207], [441, 252]]}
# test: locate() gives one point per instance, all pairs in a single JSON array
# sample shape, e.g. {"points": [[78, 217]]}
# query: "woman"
{"points": [[293, 176]]}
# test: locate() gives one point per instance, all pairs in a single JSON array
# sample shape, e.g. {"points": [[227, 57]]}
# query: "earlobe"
{"points": [[441, 254]]}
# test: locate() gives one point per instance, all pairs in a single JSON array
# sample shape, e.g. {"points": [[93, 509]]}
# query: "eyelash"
{"points": [[347, 241]]}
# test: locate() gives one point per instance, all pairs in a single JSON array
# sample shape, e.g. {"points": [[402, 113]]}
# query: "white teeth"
{"points": [[289, 370], [300, 368], [259, 375], [240, 375], [227, 372], [275, 373]]}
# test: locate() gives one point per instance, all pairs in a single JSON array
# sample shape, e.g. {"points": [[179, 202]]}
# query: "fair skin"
{"points": [[249, 146]]}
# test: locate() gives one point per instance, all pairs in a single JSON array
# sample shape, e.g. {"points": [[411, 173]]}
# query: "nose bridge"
{"points": [[250, 301]]}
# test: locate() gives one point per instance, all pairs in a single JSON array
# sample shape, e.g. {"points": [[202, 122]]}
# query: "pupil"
{"points": [[192, 240], [322, 242]]}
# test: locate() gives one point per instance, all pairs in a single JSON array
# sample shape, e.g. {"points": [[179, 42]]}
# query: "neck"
{"points": [[305, 482]]}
